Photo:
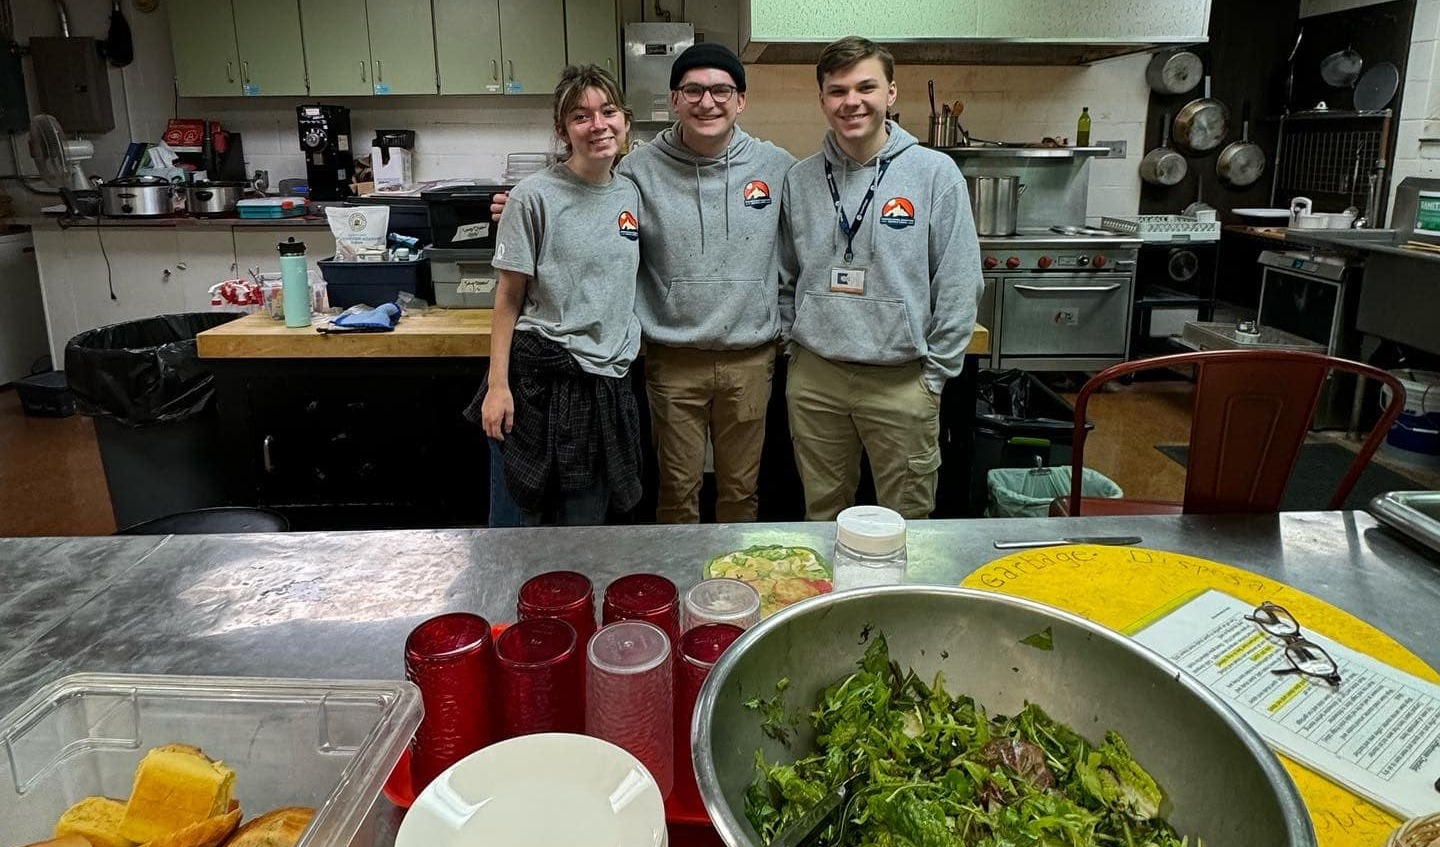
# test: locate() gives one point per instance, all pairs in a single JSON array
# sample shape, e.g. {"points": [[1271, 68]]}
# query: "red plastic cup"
{"points": [[630, 700], [700, 649], [644, 597], [566, 595], [452, 659], [540, 678]]}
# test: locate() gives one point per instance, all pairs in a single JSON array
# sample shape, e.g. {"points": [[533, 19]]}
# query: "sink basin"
{"points": [[1413, 513]]}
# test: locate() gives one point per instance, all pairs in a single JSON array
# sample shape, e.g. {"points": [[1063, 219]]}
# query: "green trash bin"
{"points": [[1028, 492]]}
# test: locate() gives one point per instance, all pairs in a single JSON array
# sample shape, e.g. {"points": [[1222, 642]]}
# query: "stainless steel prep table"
{"points": [[341, 604]]}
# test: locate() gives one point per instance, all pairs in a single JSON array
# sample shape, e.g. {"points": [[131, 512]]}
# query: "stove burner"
{"points": [[1081, 230]]}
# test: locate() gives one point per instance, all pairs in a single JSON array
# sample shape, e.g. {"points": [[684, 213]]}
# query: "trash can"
{"points": [[153, 404], [1028, 492], [1019, 423]]}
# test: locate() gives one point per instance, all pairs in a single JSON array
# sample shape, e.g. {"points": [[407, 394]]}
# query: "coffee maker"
{"points": [[325, 140]]}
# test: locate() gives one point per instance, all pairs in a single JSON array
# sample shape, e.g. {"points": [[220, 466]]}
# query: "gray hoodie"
{"points": [[709, 259], [917, 246]]}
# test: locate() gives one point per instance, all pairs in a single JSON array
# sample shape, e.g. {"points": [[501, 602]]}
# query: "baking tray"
{"points": [[1415, 514]]}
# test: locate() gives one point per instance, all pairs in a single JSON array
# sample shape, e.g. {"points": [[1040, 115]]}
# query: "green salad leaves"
{"points": [[926, 769]]}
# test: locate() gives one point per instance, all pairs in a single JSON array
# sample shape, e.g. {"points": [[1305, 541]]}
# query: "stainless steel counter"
{"points": [[341, 604]]}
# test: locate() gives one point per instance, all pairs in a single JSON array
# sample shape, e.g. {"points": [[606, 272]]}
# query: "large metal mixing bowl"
{"points": [[1222, 782]]}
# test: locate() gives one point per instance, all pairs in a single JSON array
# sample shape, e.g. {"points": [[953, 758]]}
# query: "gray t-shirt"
{"points": [[579, 244]]}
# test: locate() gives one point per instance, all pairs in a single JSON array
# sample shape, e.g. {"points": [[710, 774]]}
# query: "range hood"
{"points": [[972, 32]]}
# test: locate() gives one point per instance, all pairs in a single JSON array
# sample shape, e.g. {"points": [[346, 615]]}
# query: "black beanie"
{"points": [[708, 54]]}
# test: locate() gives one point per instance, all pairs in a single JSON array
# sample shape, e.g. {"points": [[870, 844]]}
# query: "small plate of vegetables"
{"points": [[782, 575]]}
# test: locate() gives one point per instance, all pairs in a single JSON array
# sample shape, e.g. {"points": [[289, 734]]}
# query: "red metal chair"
{"points": [[1251, 415]]}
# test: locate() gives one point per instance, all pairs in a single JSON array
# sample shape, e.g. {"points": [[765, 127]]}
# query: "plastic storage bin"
{"points": [[460, 215], [408, 215], [463, 279], [1018, 421], [319, 743], [374, 283]]}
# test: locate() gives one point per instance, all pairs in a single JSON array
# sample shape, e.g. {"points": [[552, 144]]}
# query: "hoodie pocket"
{"points": [[875, 330], [738, 311]]}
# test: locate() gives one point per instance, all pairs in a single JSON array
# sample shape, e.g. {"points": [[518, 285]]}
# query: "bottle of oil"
{"points": [[1082, 128]]}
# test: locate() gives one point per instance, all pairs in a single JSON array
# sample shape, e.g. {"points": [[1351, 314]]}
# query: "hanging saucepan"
{"points": [[1174, 72], [1341, 69], [1163, 166], [1241, 162], [1202, 124]]}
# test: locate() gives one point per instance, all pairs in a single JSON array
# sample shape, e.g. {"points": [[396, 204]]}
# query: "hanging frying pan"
{"points": [[1202, 124], [1163, 166], [1376, 87], [1241, 162], [1341, 69], [1174, 72]]}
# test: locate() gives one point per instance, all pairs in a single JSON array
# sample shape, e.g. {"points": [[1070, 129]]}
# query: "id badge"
{"points": [[847, 280]]}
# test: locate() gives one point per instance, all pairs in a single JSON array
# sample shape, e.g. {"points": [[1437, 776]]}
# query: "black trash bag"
{"points": [[1015, 403], [143, 372]]}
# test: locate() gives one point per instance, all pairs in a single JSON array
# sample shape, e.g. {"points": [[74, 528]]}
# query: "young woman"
{"points": [[561, 416]]}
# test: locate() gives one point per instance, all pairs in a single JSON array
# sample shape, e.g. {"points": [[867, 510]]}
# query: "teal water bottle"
{"points": [[295, 283]]}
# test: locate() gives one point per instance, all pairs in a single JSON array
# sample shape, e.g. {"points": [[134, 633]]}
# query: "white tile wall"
{"points": [[1420, 109]]}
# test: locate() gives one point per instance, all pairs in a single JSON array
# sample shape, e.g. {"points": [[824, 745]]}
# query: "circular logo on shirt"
{"points": [[897, 213], [629, 227], [757, 194]]}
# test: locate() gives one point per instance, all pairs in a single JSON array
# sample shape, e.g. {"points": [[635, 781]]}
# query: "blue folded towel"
{"points": [[380, 319]]}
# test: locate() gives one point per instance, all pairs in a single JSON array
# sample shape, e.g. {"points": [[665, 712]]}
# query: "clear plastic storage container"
{"points": [[320, 743]]}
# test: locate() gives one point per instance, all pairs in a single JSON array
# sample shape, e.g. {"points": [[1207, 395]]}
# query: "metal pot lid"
{"points": [[1175, 73], [135, 181], [1377, 87], [1342, 68]]}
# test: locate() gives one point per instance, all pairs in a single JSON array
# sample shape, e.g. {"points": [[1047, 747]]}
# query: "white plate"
{"points": [[540, 790], [1275, 214]]}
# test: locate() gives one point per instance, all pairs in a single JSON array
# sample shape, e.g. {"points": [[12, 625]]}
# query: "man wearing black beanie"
{"points": [[708, 293]]}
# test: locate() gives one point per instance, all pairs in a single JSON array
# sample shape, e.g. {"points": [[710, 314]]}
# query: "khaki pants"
{"points": [[836, 408], [724, 392]]}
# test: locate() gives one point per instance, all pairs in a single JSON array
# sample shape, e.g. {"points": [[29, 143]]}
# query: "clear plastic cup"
{"points": [[720, 600], [630, 695]]}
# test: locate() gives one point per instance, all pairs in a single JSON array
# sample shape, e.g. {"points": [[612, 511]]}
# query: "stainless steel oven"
{"points": [[1058, 302]]}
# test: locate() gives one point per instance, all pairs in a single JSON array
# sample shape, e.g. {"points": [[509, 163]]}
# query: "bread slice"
{"points": [[175, 787], [97, 820], [280, 828], [207, 833]]}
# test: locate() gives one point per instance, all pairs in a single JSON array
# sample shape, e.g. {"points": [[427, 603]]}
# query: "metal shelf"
{"points": [[1023, 152]]}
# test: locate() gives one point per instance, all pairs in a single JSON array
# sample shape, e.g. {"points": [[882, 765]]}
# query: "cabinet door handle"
{"points": [[379, 71], [510, 63], [1061, 289], [230, 71], [495, 69], [265, 453], [245, 72], [362, 71]]}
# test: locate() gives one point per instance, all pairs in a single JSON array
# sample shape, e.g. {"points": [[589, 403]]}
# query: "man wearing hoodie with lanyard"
{"points": [[879, 291]]}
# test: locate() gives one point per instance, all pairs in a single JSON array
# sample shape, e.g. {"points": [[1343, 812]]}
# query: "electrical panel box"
{"points": [[650, 50], [14, 108], [72, 83]]}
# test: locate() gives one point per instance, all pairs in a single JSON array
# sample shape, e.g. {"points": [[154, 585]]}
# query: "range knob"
{"points": [[990, 262], [1082, 260], [1013, 262], [1099, 261], [1045, 262]]}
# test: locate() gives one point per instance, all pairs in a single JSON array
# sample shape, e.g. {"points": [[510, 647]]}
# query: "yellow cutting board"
{"points": [[1125, 588]]}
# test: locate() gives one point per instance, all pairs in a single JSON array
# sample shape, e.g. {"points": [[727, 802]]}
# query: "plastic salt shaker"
{"points": [[869, 547]]}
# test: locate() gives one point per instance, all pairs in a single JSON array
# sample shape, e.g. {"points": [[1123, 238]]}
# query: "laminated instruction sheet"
{"points": [[1377, 733]]}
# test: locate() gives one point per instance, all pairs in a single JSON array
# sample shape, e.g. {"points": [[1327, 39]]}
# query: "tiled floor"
{"points": [[52, 482]]}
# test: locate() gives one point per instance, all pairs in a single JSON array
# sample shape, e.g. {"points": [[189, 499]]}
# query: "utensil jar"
{"points": [[995, 200]]}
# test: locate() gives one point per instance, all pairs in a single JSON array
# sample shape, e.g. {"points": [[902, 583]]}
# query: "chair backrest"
{"points": [[211, 521], [1251, 414]]}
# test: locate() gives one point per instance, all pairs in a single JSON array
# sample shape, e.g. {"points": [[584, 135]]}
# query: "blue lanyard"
{"points": [[851, 229]]}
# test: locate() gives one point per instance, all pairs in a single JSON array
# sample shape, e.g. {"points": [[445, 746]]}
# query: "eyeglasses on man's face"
{"points": [[694, 92], [1305, 656]]}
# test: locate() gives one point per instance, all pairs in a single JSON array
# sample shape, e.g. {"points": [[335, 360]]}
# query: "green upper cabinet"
{"points": [[337, 47], [402, 46], [272, 54], [467, 46], [592, 34], [533, 55], [499, 46], [207, 62]]}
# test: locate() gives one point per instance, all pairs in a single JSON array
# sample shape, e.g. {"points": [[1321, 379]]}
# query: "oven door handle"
{"points": [[1066, 288]]}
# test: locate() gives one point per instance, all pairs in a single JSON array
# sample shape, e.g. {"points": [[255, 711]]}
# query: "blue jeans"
{"points": [[577, 508]]}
